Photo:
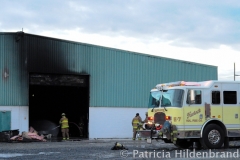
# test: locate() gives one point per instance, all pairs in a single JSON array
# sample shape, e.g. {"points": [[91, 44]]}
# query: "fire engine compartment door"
{"points": [[230, 101], [193, 111], [215, 109]]}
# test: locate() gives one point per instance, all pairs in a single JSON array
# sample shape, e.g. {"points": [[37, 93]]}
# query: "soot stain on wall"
{"points": [[46, 55]]}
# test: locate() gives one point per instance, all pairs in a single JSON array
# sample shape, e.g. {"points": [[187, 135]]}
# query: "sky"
{"points": [[206, 31]]}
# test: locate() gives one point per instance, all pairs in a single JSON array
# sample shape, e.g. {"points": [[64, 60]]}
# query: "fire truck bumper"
{"points": [[168, 132], [148, 134]]}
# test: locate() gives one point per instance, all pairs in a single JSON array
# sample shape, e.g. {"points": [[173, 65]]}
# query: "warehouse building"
{"points": [[103, 88]]}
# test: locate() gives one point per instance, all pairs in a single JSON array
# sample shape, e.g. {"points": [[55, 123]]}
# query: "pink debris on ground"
{"points": [[31, 135]]}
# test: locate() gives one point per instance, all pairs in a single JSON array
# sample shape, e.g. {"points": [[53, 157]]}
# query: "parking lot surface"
{"points": [[101, 149]]}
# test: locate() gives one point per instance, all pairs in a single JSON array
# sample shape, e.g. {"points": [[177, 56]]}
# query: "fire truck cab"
{"points": [[206, 112]]}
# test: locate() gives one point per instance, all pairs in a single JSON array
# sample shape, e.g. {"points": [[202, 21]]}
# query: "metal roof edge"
{"points": [[131, 52]]}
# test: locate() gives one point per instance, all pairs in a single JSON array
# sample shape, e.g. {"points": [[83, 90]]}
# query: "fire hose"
{"points": [[47, 132]]}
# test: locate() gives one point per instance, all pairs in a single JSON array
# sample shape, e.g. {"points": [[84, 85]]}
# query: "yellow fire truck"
{"points": [[206, 112]]}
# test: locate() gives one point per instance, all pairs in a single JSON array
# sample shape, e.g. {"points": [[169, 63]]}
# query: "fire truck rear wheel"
{"points": [[213, 137]]}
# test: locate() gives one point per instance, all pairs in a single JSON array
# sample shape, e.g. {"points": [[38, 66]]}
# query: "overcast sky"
{"points": [[206, 31]]}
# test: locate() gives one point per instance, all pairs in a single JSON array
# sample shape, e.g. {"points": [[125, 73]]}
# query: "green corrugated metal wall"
{"points": [[13, 82], [121, 78], [117, 78]]}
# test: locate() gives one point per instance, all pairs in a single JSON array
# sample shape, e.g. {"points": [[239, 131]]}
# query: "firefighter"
{"points": [[81, 126], [64, 126], [137, 119], [146, 119]]}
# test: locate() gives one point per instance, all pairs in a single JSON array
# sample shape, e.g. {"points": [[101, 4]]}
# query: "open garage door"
{"points": [[50, 95]]}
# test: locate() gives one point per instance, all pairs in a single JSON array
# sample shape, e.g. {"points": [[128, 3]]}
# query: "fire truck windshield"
{"points": [[172, 98], [154, 99]]}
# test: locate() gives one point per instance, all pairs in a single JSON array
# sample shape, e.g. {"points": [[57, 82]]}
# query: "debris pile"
{"points": [[32, 135], [5, 135]]}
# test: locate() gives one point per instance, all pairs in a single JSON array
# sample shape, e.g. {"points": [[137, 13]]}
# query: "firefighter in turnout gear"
{"points": [[136, 120], [146, 119], [64, 126]]}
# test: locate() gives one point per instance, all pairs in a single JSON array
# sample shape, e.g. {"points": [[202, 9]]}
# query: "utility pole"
{"points": [[235, 73]]}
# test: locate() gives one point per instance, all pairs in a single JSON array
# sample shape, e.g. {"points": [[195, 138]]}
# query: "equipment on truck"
{"points": [[206, 112]]}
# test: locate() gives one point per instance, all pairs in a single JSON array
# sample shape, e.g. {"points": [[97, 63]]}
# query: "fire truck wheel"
{"points": [[213, 137], [184, 144]]}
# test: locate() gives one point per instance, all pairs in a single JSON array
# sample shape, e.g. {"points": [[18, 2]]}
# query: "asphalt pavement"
{"points": [[101, 149]]}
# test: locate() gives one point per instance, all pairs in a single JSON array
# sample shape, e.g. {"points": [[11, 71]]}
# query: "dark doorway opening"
{"points": [[51, 95]]}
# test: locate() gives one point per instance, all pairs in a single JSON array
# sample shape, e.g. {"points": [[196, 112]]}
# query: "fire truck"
{"points": [[182, 112]]}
